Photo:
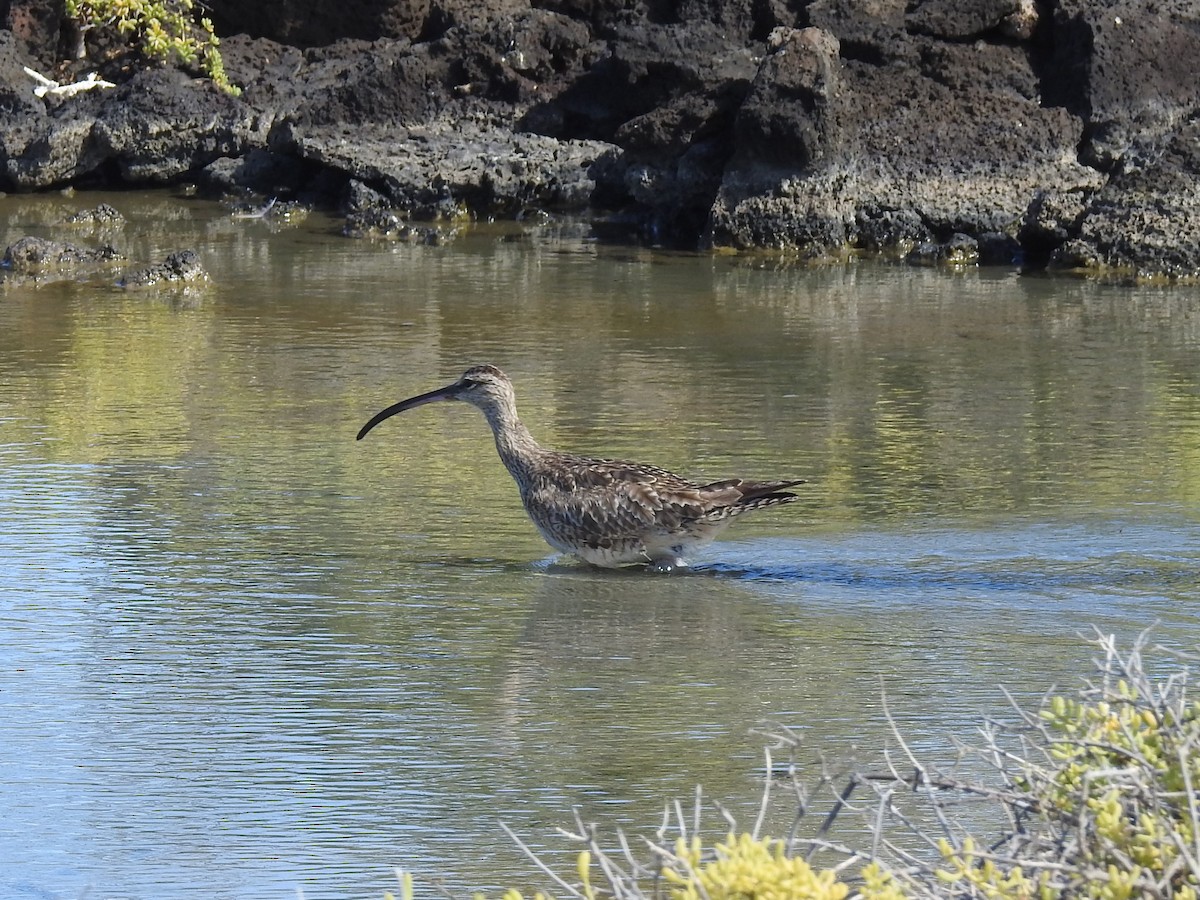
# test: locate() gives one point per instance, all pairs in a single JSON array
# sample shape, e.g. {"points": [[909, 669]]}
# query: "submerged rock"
{"points": [[182, 265], [103, 214], [35, 256], [1076, 256], [381, 223], [101, 221], [959, 250], [999, 249]]}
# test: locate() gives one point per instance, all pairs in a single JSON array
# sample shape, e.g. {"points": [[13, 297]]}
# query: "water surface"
{"points": [[242, 654]]}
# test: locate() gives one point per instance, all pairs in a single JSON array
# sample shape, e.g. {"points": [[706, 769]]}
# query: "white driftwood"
{"points": [[49, 86]]}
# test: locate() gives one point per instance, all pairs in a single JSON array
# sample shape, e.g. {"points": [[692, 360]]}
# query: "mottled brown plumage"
{"points": [[605, 511]]}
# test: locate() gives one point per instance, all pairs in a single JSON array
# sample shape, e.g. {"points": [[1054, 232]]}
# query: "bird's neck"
{"points": [[517, 448]]}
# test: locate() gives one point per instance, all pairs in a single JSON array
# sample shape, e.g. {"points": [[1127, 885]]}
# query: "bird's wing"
{"points": [[737, 491], [613, 497], [617, 498]]}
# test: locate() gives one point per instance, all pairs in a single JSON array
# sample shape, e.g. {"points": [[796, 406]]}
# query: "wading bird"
{"points": [[605, 511]]}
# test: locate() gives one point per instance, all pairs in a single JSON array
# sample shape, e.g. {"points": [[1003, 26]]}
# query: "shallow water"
{"points": [[242, 654]]}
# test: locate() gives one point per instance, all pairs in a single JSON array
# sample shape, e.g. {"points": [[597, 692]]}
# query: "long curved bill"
{"points": [[446, 393]]}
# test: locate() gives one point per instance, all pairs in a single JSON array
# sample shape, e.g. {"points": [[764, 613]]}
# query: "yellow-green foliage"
{"points": [[161, 30], [879, 884], [406, 886], [1102, 796], [1128, 775], [988, 879], [584, 866], [1121, 792], [741, 867], [748, 868]]}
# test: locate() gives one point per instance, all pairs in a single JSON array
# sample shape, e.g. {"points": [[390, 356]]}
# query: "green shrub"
{"points": [[159, 30], [1100, 793], [743, 866], [1106, 802]]}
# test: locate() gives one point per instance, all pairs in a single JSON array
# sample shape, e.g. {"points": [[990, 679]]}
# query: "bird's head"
{"points": [[484, 387]]}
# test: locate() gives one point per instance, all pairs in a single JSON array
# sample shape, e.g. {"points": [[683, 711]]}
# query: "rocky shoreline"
{"points": [[1061, 134]]}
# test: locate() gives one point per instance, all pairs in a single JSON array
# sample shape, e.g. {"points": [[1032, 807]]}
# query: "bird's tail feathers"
{"points": [[757, 490], [764, 500]]}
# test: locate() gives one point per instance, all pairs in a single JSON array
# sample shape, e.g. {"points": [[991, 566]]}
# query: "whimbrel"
{"points": [[607, 512]]}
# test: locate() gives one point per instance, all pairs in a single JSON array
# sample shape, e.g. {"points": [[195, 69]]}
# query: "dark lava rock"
{"points": [[353, 82], [1076, 256], [440, 169], [157, 127], [369, 214], [17, 101], [380, 223], [34, 256], [666, 96], [261, 171], [102, 215], [182, 265], [890, 230], [310, 23], [36, 24], [1146, 219], [814, 125], [823, 141], [1053, 218], [999, 249], [963, 19], [959, 250], [274, 211], [1128, 66], [152, 130]]}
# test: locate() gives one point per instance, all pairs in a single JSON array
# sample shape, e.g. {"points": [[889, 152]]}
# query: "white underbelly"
{"points": [[651, 548], [623, 553], [610, 558]]}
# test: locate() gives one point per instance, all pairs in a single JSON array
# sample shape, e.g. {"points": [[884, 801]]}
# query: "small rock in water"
{"points": [[999, 249], [961, 249], [1076, 255], [100, 215], [39, 256], [381, 223], [182, 265]]}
